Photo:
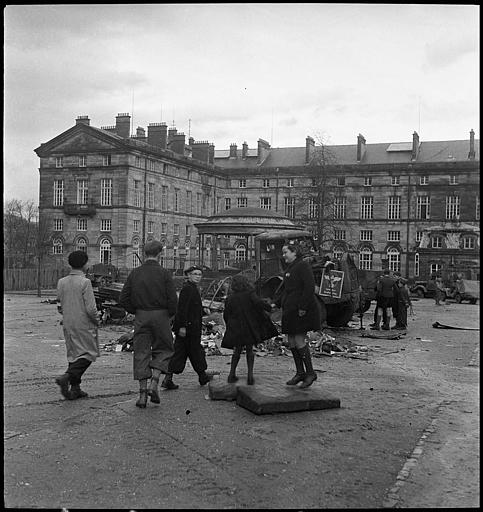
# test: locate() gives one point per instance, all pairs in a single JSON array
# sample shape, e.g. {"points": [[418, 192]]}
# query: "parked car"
{"points": [[425, 289], [464, 289]]}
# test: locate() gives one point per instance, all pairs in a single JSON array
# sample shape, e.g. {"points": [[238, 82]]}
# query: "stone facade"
{"points": [[161, 187]]}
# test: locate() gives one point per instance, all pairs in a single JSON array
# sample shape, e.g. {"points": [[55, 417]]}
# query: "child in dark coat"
{"points": [[246, 324], [187, 328]]}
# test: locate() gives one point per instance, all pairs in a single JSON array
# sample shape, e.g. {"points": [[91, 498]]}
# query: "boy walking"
{"points": [[80, 321]]}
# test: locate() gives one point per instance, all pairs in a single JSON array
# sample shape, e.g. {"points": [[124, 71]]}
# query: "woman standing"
{"points": [[246, 324], [300, 312]]}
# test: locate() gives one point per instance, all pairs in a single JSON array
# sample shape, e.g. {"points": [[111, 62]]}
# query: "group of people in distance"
{"points": [[392, 296], [149, 293]]}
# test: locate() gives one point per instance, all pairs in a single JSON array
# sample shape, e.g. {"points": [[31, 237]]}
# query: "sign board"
{"points": [[331, 283]]}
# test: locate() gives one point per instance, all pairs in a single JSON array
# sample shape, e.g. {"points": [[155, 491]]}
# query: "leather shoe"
{"points": [[142, 400], [204, 378], [154, 395], [168, 384], [63, 382], [76, 392]]}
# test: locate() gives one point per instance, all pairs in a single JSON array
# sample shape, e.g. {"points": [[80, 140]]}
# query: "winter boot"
{"points": [[310, 375], [168, 382], [204, 378], [76, 392], [143, 394], [299, 368], [63, 382]]}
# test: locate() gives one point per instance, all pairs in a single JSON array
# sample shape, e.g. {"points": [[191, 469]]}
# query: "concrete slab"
{"points": [[270, 397], [222, 390]]}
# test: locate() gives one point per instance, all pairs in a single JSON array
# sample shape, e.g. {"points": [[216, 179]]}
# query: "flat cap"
{"points": [[191, 269]]}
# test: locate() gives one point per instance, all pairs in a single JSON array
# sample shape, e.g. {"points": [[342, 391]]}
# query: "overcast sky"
{"points": [[240, 72]]}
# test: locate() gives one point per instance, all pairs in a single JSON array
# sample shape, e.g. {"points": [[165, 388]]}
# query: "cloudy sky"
{"points": [[240, 72]]}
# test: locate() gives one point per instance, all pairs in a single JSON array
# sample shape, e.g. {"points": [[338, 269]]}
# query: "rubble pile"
{"points": [[320, 343]]}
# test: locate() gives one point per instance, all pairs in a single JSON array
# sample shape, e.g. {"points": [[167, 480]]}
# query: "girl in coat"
{"points": [[246, 324], [300, 312]]}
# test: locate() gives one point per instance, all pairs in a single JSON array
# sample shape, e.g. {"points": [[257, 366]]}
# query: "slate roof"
{"points": [[431, 151]]}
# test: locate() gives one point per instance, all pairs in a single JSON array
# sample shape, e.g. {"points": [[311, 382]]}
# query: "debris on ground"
{"points": [[397, 336], [121, 344], [49, 301], [438, 325]]}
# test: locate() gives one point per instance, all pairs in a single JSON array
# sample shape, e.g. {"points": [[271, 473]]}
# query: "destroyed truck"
{"points": [[338, 288]]}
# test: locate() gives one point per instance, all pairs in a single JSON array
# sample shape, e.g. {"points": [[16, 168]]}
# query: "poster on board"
{"points": [[331, 283]]}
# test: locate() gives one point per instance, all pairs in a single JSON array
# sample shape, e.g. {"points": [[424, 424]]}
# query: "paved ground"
{"points": [[406, 435]]}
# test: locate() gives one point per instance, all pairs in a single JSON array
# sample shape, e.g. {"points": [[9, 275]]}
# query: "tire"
{"points": [[473, 301], [458, 298], [338, 315], [420, 293]]}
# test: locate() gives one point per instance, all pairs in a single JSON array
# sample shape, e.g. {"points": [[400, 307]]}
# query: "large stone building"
{"points": [[105, 191]]}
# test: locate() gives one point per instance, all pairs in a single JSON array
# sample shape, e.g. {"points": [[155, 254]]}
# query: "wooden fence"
{"points": [[20, 279]]}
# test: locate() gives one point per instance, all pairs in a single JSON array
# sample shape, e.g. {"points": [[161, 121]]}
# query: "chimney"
{"points": [[171, 133], [191, 141], [244, 150], [157, 135], [200, 151], [233, 149], [140, 132], [309, 149], [211, 154], [177, 143], [83, 120], [471, 154], [361, 147], [123, 125], [415, 149], [263, 150]]}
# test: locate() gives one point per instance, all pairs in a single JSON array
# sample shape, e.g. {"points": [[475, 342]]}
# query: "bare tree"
{"points": [[321, 205], [20, 224]]}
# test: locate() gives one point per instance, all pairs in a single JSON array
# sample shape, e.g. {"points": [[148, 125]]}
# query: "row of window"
{"points": [[83, 192], [452, 210], [340, 181], [366, 235], [80, 161], [423, 203]]}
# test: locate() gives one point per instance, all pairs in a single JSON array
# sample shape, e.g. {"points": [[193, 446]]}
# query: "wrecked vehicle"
{"points": [[338, 303], [464, 289]]}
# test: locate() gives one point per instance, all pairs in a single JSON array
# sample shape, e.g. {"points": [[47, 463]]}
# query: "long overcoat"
{"points": [[246, 322], [299, 294], [80, 316]]}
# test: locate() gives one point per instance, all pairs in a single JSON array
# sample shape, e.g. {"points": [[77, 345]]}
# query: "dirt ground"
{"points": [[406, 434]]}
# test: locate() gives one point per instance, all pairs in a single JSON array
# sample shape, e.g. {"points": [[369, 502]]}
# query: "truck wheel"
{"points": [[420, 293], [458, 298], [473, 301]]}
